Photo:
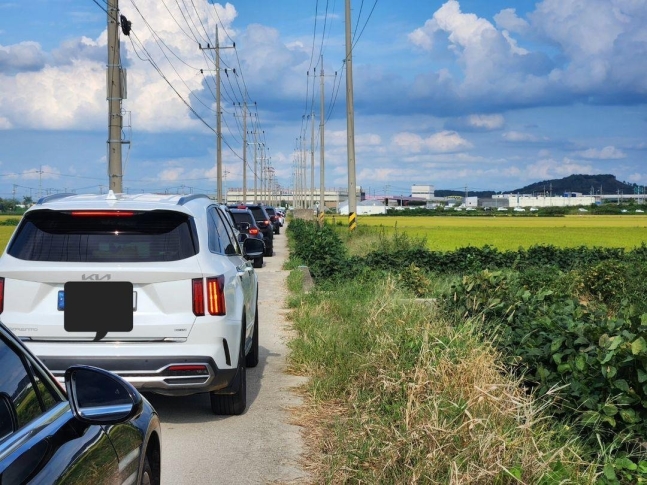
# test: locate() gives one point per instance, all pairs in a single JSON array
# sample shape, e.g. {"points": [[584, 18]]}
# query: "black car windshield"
{"points": [[104, 236]]}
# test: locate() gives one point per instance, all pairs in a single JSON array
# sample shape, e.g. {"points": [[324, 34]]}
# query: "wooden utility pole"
{"points": [[350, 126], [115, 95]]}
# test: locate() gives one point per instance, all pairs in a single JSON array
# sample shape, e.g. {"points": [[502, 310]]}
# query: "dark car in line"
{"points": [[244, 221], [263, 222], [96, 430], [274, 218]]}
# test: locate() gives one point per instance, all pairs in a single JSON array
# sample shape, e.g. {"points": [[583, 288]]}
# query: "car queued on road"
{"points": [[104, 296]]}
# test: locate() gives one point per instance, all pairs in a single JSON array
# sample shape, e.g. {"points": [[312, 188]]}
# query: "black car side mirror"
{"points": [[98, 396], [253, 248]]}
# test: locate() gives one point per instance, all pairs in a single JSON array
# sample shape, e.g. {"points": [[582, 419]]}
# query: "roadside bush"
{"points": [[318, 247], [597, 359]]}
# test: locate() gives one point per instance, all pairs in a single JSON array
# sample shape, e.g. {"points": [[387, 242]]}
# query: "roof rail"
{"points": [[183, 200], [49, 198]]}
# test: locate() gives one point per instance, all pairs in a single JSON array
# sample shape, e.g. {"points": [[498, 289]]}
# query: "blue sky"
{"points": [[488, 95]]}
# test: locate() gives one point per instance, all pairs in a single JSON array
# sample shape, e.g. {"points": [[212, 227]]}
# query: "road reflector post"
{"points": [[352, 221]]}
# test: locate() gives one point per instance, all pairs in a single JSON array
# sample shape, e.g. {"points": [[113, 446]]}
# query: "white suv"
{"points": [[155, 288]]}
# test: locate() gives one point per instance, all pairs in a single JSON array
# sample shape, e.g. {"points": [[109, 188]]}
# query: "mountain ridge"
{"points": [[605, 184]]}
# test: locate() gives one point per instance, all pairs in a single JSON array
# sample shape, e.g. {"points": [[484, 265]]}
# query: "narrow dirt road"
{"points": [[259, 447]]}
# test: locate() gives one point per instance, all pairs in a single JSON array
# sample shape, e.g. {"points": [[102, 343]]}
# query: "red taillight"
{"points": [[198, 297], [102, 214], [253, 231], [216, 295], [1, 294]]}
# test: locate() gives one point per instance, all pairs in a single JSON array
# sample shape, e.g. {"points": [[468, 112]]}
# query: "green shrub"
{"points": [[318, 247], [597, 360]]}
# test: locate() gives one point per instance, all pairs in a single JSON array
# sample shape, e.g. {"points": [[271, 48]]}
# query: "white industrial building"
{"points": [[364, 207], [527, 200], [422, 191]]}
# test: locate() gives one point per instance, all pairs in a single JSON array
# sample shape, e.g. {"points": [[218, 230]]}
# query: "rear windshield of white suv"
{"points": [[104, 237]]}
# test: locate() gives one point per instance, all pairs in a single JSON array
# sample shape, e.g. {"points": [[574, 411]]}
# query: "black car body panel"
{"points": [[245, 223], [264, 224], [45, 442], [276, 224]]}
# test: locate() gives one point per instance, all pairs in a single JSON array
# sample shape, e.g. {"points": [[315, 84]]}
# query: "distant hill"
{"points": [[585, 184]]}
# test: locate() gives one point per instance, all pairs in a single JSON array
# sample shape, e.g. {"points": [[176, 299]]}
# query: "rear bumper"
{"points": [[155, 374]]}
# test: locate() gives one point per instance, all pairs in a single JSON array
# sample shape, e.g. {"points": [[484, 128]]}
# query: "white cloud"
{"points": [[635, 178], [5, 124], [520, 137], [373, 175], [477, 122], [507, 19], [488, 122], [550, 169], [423, 37], [606, 153], [25, 56], [44, 172], [443, 142], [68, 88], [591, 51]]}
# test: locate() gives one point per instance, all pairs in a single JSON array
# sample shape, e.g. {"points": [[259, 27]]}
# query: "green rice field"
{"points": [[6, 231], [511, 233]]}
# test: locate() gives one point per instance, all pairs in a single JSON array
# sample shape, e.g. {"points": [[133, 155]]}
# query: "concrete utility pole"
{"points": [[322, 198], [115, 95], [312, 160], [350, 126], [304, 162], [245, 153], [255, 168], [217, 48]]}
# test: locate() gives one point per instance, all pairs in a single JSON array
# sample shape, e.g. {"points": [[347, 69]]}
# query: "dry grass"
{"points": [[423, 401]]}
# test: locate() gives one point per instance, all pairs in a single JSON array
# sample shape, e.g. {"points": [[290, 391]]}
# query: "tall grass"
{"points": [[398, 394]]}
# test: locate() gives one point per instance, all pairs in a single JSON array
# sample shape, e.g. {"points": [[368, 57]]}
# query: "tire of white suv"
{"points": [[232, 400], [252, 357]]}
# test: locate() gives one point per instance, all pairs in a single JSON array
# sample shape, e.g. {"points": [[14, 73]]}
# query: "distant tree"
{"points": [[27, 201]]}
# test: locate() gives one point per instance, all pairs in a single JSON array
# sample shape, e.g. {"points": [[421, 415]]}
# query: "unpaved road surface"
{"points": [[260, 446]]}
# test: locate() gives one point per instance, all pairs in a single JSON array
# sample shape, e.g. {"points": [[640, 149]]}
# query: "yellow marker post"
{"points": [[352, 221]]}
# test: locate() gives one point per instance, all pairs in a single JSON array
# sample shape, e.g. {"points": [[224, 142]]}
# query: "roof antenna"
{"points": [[111, 195]]}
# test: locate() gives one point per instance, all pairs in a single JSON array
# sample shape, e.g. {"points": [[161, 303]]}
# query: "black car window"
{"points": [[243, 217], [25, 394], [219, 241], [259, 213], [227, 221], [100, 237]]}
